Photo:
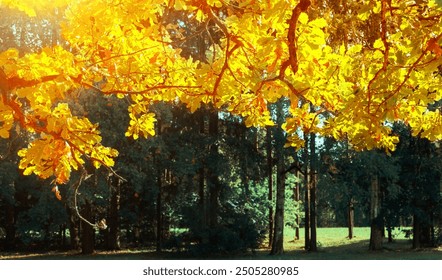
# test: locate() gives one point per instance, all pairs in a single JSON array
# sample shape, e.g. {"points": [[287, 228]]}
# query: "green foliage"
{"points": [[8, 174], [293, 209], [421, 170], [241, 223], [345, 178], [39, 225]]}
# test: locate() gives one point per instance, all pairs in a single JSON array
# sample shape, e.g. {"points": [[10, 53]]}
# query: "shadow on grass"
{"points": [[356, 250]]}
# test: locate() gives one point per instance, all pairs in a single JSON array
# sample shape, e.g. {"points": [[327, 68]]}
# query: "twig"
{"points": [[99, 225]]}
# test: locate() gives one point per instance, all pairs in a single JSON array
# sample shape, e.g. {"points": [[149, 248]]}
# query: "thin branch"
{"points": [[229, 38], [408, 75], [98, 225], [117, 56], [147, 90], [296, 166]]}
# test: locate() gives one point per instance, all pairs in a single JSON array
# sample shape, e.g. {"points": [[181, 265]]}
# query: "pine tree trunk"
{"points": [[87, 231], [440, 208], [278, 232], [297, 198], [202, 175], [306, 196], [313, 241], [202, 196], [270, 183], [278, 235], [137, 237], [351, 218], [114, 217], [244, 161], [62, 236], [375, 216], [423, 232], [214, 188], [73, 230], [416, 232], [159, 202], [214, 201], [159, 213], [10, 227], [390, 234]]}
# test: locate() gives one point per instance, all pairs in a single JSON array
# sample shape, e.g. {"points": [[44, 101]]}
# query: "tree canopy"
{"points": [[361, 66]]}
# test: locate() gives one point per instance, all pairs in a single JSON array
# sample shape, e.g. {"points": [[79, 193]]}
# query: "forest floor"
{"points": [[333, 244]]}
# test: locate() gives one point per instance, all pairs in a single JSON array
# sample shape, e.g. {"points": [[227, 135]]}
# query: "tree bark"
{"points": [[278, 232], [423, 232], [423, 217], [62, 235], [351, 218], [390, 234], [202, 174], [440, 208], [306, 196], [375, 215], [313, 181], [10, 226], [159, 212], [278, 235], [270, 182], [297, 198], [87, 231], [114, 217], [243, 161], [214, 186], [73, 229], [159, 202]]}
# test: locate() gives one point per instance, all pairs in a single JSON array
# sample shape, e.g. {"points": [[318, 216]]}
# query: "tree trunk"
{"points": [[278, 232], [440, 208], [297, 198], [159, 202], [375, 216], [87, 231], [416, 232], [214, 187], [306, 196], [73, 230], [390, 234], [423, 235], [313, 241], [137, 236], [159, 212], [204, 191], [10, 226], [202, 174], [270, 182], [423, 218], [114, 217], [62, 234], [351, 218], [243, 161], [278, 235]]}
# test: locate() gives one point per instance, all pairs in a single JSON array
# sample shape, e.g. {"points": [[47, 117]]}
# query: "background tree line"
{"points": [[207, 183]]}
